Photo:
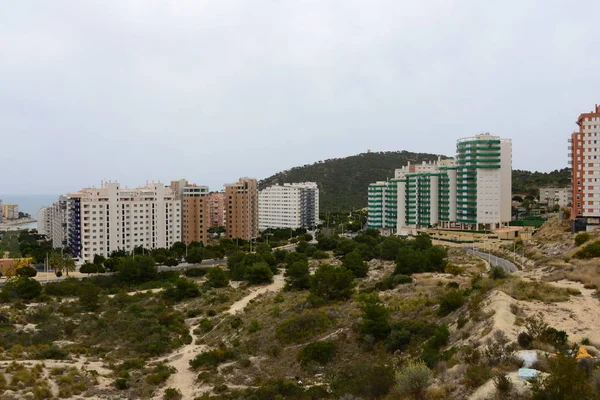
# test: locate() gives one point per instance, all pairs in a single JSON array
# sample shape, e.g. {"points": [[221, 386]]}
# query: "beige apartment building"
{"points": [[216, 205], [196, 214], [241, 209], [10, 211]]}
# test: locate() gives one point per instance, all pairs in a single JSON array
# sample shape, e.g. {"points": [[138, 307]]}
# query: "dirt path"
{"points": [[185, 379], [240, 305]]}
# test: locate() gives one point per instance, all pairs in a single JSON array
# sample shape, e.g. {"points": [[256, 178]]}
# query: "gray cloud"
{"points": [[143, 90]]}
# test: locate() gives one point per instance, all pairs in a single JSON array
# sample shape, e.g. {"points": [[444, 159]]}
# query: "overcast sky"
{"points": [[214, 90]]}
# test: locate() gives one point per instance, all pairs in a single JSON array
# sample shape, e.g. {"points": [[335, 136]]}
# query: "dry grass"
{"points": [[541, 291]]}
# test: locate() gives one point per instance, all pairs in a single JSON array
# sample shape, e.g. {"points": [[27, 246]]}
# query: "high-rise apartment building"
{"points": [[241, 209], [112, 217], [472, 191], [10, 211], [44, 221], [196, 214], [1, 211], [584, 151], [216, 206], [59, 231], [291, 205]]}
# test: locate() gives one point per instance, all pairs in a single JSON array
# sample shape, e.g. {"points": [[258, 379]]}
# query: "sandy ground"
{"points": [[185, 379]]}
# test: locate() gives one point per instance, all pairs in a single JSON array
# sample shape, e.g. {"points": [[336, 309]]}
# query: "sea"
{"points": [[29, 203]]}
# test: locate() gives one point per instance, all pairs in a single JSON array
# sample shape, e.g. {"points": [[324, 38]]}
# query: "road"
{"points": [[495, 260]]}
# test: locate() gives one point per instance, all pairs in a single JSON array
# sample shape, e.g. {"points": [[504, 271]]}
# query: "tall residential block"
{"points": [[196, 214], [291, 205], [44, 221], [216, 207], [112, 217], [59, 232], [472, 191], [241, 209], [10, 211], [584, 151]]}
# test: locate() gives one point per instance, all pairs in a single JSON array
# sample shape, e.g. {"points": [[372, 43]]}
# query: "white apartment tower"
{"points": [[113, 217], [44, 221], [472, 191], [291, 205]]}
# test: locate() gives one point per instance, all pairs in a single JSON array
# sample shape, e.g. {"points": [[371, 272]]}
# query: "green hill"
{"points": [[343, 182]]}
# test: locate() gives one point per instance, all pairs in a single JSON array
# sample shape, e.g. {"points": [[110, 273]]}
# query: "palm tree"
{"points": [[68, 264], [55, 261]]}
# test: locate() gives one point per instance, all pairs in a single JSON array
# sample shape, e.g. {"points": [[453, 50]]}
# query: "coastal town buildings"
{"points": [[556, 196], [471, 191], [291, 205], [241, 209], [216, 208], [10, 211], [113, 217], [584, 154]]}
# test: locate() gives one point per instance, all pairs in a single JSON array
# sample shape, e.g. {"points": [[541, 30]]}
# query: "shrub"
{"points": [[236, 322], [319, 352], [497, 272], [53, 353], [259, 273], [171, 262], [193, 313], [591, 250], [450, 301], [536, 326], [212, 358], [525, 340], [302, 327], [556, 338], [332, 283], [476, 375], [195, 272], [183, 289], [375, 318], [27, 271], [217, 278], [172, 394], [581, 238], [354, 263], [21, 288], [121, 384], [564, 381], [363, 379], [205, 325], [413, 378], [503, 384], [320, 255], [254, 326], [297, 276], [160, 374], [454, 269]]}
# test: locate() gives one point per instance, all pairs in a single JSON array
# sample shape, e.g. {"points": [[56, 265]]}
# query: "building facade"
{"points": [[472, 191], [241, 209], [216, 207], [112, 217], [196, 214], [584, 154], [10, 211], [44, 221], [59, 231], [291, 205], [555, 196]]}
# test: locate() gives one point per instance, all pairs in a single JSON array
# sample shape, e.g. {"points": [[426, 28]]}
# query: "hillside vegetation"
{"points": [[343, 182]]}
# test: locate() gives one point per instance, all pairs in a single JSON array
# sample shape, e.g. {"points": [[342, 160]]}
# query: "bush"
{"points": [[332, 283], [318, 352], [193, 313], [391, 281], [302, 327], [564, 381], [195, 272], [581, 238], [259, 273], [88, 268], [53, 353], [217, 278], [320, 255], [211, 359], [27, 271], [354, 263], [454, 269], [297, 276], [503, 384], [451, 301], [591, 250], [205, 325], [375, 318], [497, 272], [363, 379], [121, 384], [172, 394], [183, 289], [171, 262], [525, 340], [413, 378], [476, 375], [407, 330], [21, 288]]}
